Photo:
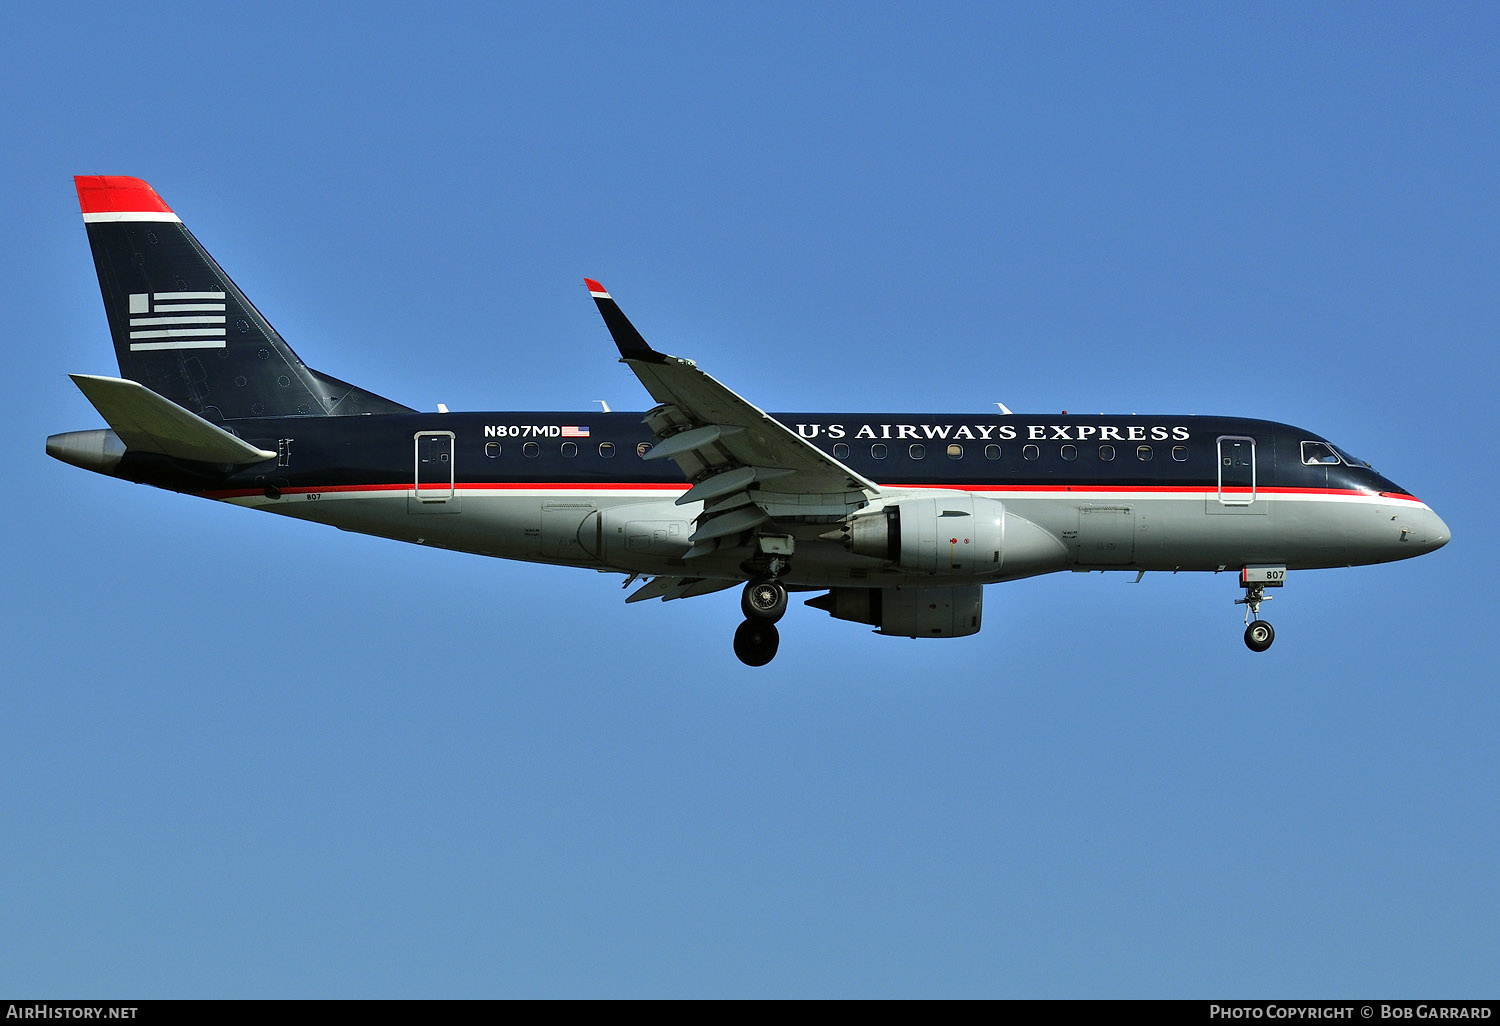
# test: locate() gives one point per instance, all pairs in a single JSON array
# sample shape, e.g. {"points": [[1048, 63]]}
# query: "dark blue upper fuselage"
{"points": [[920, 450]]}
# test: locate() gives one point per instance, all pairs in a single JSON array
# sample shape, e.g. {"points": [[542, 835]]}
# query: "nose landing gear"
{"points": [[1258, 635], [763, 603], [1256, 579]]}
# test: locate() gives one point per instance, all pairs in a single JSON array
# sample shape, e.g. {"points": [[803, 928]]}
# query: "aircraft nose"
{"points": [[1428, 530], [1438, 534]]}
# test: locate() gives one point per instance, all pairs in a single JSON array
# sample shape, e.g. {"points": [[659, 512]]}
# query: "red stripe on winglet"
{"points": [[110, 194], [594, 286]]}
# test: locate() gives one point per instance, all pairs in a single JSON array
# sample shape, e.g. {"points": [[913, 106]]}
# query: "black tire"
{"points": [[756, 642], [764, 601], [1259, 635]]}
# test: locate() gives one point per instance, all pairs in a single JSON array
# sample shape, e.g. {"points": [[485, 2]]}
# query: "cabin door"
{"points": [[433, 476], [1237, 479]]}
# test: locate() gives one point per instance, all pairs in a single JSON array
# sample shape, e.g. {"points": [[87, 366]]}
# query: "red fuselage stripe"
{"points": [[658, 486]]}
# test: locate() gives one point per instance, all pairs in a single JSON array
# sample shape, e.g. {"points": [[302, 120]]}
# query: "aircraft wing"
{"points": [[669, 588], [745, 466]]}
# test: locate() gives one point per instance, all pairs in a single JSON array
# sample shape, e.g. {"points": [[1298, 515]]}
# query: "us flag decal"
{"points": [[176, 320], [574, 431]]}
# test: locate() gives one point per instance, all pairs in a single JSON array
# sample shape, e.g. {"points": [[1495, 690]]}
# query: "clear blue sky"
{"points": [[247, 756]]}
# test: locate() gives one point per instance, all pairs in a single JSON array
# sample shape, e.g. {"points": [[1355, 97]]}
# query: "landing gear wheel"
{"points": [[764, 601], [756, 641], [1259, 635]]}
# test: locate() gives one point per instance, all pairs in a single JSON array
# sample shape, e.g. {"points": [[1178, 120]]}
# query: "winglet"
{"points": [[631, 345]]}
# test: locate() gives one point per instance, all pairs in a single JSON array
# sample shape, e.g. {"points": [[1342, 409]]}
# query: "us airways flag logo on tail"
{"points": [[176, 320]]}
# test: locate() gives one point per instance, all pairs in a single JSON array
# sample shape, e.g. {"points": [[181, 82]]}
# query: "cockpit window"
{"points": [[1316, 454], [1353, 461]]}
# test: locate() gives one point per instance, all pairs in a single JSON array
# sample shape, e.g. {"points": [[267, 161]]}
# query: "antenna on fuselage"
{"points": [[604, 404], [1005, 409]]}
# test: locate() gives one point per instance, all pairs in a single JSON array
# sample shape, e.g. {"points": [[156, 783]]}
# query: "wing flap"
{"points": [[669, 588]]}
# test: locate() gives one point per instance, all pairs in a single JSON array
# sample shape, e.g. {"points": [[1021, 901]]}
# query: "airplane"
{"points": [[898, 520]]}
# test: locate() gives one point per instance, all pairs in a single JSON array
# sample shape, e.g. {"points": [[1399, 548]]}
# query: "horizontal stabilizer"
{"points": [[146, 422]]}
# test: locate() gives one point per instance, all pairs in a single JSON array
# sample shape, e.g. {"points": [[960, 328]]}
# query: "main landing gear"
{"points": [[1256, 579], [763, 603]]}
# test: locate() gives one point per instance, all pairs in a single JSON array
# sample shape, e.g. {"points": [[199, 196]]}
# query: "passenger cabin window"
{"points": [[1070, 452], [1144, 453], [570, 449], [1030, 452], [1106, 453], [992, 452], [917, 451], [878, 450], [840, 450], [492, 450], [1317, 454], [955, 451], [641, 448], [1179, 453], [530, 449], [607, 450]]}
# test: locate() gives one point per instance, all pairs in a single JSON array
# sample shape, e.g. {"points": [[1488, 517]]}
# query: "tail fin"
{"points": [[187, 332]]}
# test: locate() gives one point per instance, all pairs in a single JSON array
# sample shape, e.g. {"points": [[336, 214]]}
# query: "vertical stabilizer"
{"points": [[183, 329]]}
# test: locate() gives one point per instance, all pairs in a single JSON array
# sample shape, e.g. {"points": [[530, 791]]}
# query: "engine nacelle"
{"points": [[909, 612], [959, 533]]}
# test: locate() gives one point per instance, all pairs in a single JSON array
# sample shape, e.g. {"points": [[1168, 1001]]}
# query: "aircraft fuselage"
{"points": [[1116, 493]]}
